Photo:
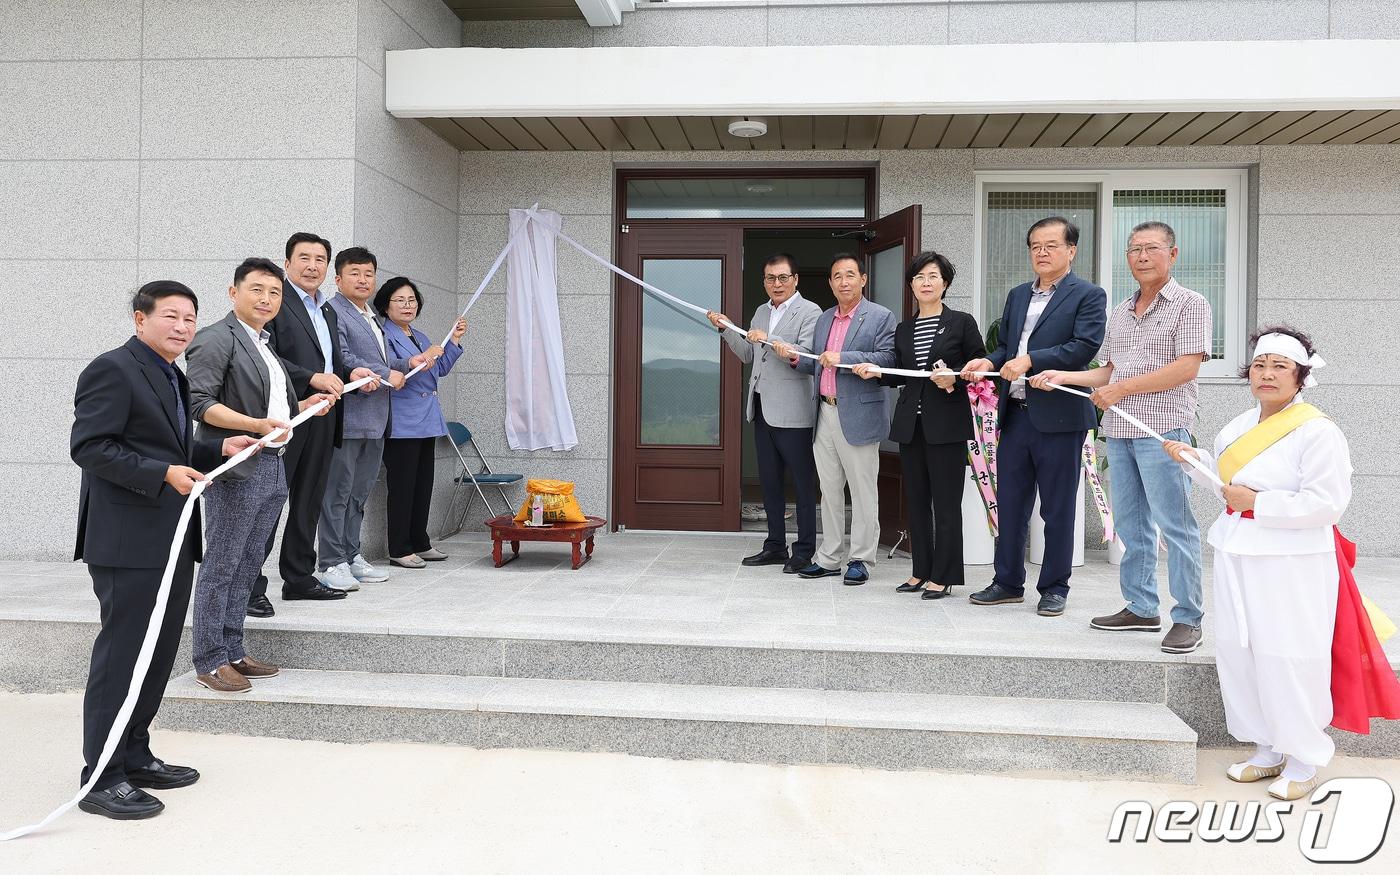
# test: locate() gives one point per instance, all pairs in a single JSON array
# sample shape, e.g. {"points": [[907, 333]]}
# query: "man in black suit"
{"points": [[132, 437], [304, 335], [1054, 323]]}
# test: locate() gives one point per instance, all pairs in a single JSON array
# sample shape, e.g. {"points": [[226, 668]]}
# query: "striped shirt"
{"points": [[925, 330], [1177, 323]]}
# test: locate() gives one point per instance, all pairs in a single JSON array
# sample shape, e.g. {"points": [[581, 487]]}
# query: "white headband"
{"points": [[1290, 348]]}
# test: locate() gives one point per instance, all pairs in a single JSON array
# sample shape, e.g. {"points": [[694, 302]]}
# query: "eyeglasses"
{"points": [[928, 278], [1149, 250], [778, 279], [403, 302], [1047, 248]]}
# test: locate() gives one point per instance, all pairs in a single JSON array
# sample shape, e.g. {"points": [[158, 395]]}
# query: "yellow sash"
{"points": [[1263, 436]]}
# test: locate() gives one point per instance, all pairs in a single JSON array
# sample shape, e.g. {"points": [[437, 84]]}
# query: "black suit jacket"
{"points": [[947, 417], [293, 338], [124, 438]]}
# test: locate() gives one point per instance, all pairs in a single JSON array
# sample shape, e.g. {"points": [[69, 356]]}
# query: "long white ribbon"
{"points": [[148, 643]]}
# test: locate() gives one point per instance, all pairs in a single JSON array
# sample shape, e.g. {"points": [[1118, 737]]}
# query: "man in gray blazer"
{"points": [[355, 464], [852, 418], [239, 387], [780, 408]]}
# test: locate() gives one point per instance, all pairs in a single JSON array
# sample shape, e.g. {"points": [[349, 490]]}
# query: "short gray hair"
{"points": [[1156, 226]]}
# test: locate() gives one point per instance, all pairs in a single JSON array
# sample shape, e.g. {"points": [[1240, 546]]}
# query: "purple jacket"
{"points": [[415, 412]]}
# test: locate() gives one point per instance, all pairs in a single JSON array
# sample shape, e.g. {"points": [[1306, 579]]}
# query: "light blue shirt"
{"points": [[318, 321]]}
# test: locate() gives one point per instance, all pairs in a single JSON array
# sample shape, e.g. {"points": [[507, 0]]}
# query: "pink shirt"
{"points": [[834, 341]]}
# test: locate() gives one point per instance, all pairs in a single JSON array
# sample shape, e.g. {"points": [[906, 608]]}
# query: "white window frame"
{"points": [[1234, 181]]}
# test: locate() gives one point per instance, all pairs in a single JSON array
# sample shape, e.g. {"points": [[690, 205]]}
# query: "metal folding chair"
{"points": [[471, 482]]}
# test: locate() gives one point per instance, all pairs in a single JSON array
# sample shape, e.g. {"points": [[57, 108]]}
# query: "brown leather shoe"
{"points": [[224, 679], [253, 669]]}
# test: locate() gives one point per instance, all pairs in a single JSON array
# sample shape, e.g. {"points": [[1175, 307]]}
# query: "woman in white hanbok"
{"points": [[1288, 473]]}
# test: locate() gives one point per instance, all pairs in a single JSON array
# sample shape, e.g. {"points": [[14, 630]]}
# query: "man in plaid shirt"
{"points": [[1156, 342]]}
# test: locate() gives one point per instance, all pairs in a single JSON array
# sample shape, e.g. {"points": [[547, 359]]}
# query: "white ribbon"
{"points": [[148, 643], [1289, 347]]}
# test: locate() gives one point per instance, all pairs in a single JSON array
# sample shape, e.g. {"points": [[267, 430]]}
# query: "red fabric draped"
{"points": [[1363, 683]]}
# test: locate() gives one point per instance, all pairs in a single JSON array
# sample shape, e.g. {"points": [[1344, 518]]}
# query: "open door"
{"points": [[678, 394], [887, 245]]}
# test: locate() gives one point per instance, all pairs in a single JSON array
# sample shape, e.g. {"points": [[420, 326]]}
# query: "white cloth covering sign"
{"points": [[538, 415]]}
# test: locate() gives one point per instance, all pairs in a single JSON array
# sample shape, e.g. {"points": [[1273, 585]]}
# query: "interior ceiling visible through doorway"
{"points": [[968, 131]]}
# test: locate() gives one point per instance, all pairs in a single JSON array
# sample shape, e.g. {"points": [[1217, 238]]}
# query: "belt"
{"points": [[829, 399], [274, 451]]}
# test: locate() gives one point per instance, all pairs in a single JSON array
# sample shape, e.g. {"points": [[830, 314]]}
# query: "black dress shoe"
{"points": [[931, 593], [259, 606], [162, 776], [910, 587], [1051, 605], [122, 802], [796, 564], [317, 591], [767, 557], [996, 594]]}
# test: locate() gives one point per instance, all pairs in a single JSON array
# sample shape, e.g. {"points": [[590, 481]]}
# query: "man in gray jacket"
{"points": [[355, 464], [239, 387], [852, 418], [780, 408]]}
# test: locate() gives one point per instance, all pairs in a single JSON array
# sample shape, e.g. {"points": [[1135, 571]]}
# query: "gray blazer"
{"points": [[366, 413], [224, 368], [787, 392], [861, 404]]}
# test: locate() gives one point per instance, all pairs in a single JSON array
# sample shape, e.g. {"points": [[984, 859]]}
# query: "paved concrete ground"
{"points": [[296, 806]]}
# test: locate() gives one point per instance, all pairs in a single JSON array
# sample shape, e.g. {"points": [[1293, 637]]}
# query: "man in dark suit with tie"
{"points": [[303, 334], [1054, 323], [133, 439]]}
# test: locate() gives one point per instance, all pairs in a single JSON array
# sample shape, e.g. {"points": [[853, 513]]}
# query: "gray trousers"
{"points": [[238, 515], [839, 465], [354, 468]]}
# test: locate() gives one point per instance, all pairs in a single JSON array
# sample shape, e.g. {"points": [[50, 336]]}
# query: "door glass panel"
{"points": [[1010, 213], [887, 289], [1197, 216], [715, 198], [680, 355]]}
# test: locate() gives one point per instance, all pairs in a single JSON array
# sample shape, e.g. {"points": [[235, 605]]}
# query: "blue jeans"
{"points": [[1148, 487]]}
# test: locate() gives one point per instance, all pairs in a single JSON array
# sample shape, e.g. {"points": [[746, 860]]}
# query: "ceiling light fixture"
{"points": [[748, 128]]}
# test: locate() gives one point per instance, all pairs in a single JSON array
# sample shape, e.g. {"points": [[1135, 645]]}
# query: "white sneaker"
{"points": [[339, 577], [365, 572]]}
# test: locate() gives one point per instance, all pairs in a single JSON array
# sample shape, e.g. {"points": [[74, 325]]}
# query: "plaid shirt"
{"points": [[1176, 323]]}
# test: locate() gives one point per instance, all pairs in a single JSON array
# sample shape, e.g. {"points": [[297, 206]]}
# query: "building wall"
{"points": [[959, 22], [171, 139], [1325, 223]]}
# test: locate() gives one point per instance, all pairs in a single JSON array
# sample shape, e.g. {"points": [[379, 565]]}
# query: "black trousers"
{"points": [[308, 461], [126, 597], [408, 467], [1027, 459], [933, 489], [780, 450]]}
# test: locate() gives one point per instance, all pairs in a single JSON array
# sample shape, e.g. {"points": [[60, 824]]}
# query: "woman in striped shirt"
{"points": [[932, 424]]}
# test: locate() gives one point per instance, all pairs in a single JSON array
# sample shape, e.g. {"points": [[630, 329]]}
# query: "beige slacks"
{"points": [[839, 464]]}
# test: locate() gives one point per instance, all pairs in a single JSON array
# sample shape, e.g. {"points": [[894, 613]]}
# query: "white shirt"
{"points": [[368, 315], [1040, 299], [277, 407], [1304, 486], [776, 313]]}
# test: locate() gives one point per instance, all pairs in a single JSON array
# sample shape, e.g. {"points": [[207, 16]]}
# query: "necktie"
{"points": [[179, 404]]}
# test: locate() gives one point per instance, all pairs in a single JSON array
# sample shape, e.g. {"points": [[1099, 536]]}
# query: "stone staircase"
{"points": [[764, 702]]}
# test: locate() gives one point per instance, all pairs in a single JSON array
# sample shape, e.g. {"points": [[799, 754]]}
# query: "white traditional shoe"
{"points": [[339, 577], [1248, 773], [365, 572], [1289, 790]]}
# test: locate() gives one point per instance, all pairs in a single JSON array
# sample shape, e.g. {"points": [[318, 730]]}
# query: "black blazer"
{"points": [[294, 340], [947, 417], [124, 438]]}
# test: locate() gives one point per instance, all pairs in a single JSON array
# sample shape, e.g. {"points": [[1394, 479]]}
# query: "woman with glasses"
{"points": [[932, 424], [415, 423]]}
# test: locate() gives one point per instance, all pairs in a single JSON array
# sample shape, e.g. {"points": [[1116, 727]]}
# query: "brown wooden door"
{"points": [[888, 245], [678, 394]]}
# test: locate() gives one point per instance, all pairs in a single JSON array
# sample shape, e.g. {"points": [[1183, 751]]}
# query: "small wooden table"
{"points": [[505, 528]]}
